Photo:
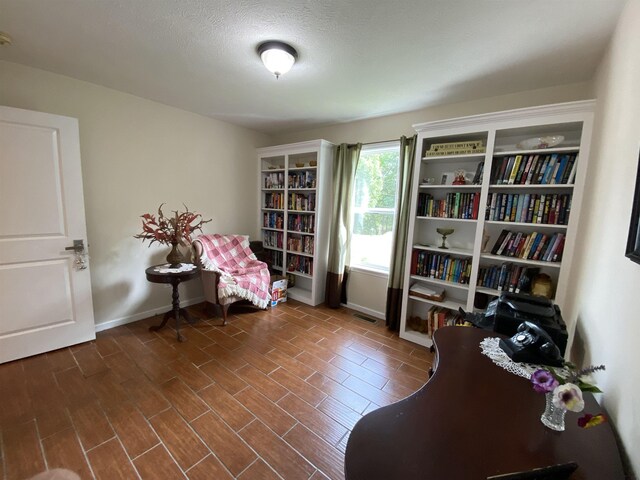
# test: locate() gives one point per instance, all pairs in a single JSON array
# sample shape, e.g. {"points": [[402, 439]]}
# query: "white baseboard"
{"points": [[365, 310], [141, 315]]}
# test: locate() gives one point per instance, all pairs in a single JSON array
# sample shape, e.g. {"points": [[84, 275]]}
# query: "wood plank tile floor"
{"points": [[272, 395]]}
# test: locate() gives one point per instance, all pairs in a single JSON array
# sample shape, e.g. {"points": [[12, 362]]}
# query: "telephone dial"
{"points": [[531, 344]]}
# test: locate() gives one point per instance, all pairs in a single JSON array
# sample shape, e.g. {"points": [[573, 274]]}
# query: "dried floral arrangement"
{"points": [[173, 230]]}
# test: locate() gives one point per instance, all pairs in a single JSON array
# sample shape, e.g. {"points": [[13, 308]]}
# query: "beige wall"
{"points": [[606, 301], [394, 126], [137, 154]]}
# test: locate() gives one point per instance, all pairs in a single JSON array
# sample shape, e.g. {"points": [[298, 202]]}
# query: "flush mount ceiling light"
{"points": [[278, 57]]}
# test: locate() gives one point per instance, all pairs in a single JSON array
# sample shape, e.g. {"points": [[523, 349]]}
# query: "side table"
{"points": [[174, 276]]}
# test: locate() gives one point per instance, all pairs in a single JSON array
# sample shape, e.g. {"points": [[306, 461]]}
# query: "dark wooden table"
{"points": [[175, 279], [472, 420]]}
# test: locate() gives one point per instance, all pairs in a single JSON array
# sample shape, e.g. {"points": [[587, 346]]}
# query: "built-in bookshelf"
{"points": [[294, 208], [510, 186]]}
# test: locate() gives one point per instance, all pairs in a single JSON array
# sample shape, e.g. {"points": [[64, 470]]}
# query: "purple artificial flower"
{"points": [[543, 381]]}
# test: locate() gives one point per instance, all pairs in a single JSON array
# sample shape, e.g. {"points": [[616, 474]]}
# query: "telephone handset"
{"points": [[531, 344]]}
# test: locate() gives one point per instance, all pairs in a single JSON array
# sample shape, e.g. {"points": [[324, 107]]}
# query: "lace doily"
{"points": [[184, 267], [491, 348]]}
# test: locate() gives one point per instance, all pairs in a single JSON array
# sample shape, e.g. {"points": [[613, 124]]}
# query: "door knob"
{"points": [[78, 246]]}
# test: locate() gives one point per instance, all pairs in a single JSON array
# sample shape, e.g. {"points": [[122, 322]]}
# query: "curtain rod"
{"points": [[382, 141]]}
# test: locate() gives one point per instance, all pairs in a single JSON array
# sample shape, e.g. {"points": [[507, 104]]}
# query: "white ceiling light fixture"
{"points": [[278, 57]]}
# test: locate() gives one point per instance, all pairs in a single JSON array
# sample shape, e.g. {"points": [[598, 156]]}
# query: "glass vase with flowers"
{"points": [[564, 392]]}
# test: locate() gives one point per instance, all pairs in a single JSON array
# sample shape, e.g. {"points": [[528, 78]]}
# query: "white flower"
{"points": [[568, 396]]}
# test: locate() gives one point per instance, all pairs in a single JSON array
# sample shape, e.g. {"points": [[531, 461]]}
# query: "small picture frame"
{"points": [[633, 241], [443, 181]]}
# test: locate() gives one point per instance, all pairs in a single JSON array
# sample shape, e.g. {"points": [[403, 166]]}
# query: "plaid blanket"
{"points": [[242, 275]]}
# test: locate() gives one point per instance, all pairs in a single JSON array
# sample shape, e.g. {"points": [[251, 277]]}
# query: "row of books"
{"points": [[300, 244], [272, 220], [273, 180], [299, 264], [302, 203], [547, 208], [274, 200], [274, 257], [533, 246], [507, 277], [454, 205], [301, 223], [547, 169], [304, 179], [272, 239], [437, 317], [440, 266]]}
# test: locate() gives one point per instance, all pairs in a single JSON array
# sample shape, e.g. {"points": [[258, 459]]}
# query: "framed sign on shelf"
{"points": [[633, 242]]}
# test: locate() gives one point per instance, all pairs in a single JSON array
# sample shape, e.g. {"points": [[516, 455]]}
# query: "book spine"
{"points": [[507, 210], [556, 168], [572, 174], [549, 169], [532, 169], [504, 242], [545, 214], [501, 170], [557, 255], [534, 246], [503, 206], [512, 248], [514, 170], [561, 169], [514, 207], [499, 241], [524, 169], [507, 171], [543, 167], [544, 241]]}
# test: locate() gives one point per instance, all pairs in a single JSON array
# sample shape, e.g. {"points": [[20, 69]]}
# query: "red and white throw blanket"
{"points": [[242, 275]]}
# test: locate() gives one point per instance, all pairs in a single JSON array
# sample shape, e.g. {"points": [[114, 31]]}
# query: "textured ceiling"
{"points": [[357, 59]]}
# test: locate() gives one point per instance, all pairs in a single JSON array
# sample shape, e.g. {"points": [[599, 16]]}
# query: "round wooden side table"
{"points": [[173, 276]]}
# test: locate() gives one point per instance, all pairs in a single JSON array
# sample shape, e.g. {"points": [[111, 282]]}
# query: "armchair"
{"points": [[231, 272]]}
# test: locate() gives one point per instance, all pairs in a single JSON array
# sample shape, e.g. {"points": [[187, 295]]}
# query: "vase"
{"points": [[553, 417], [175, 257]]}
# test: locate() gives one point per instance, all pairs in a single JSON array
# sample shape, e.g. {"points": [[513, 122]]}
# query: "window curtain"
{"points": [[344, 173], [401, 228]]}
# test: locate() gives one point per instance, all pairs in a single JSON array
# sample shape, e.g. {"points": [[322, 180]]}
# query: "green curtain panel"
{"points": [[401, 228], [344, 174]]}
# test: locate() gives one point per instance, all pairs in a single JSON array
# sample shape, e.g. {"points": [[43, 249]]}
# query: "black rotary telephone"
{"points": [[531, 344]]}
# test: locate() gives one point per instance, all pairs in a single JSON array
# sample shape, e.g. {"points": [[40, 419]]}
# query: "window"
{"points": [[374, 206]]}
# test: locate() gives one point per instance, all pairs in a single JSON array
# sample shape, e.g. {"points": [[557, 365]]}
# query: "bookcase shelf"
{"points": [[428, 186], [532, 187], [450, 251], [514, 180], [446, 304], [436, 281], [551, 226], [447, 219], [453, 158], [309, 187], [503, 259]]}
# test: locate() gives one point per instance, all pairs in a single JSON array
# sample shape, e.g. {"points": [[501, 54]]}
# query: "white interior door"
{"points": [[45, 299]]}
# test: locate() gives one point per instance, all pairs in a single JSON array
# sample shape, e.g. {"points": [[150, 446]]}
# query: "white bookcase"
{"points": [[294, 213], [471, 243]]}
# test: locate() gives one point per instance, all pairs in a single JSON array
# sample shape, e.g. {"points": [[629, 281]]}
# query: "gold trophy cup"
{"points": [[444, 232]]}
